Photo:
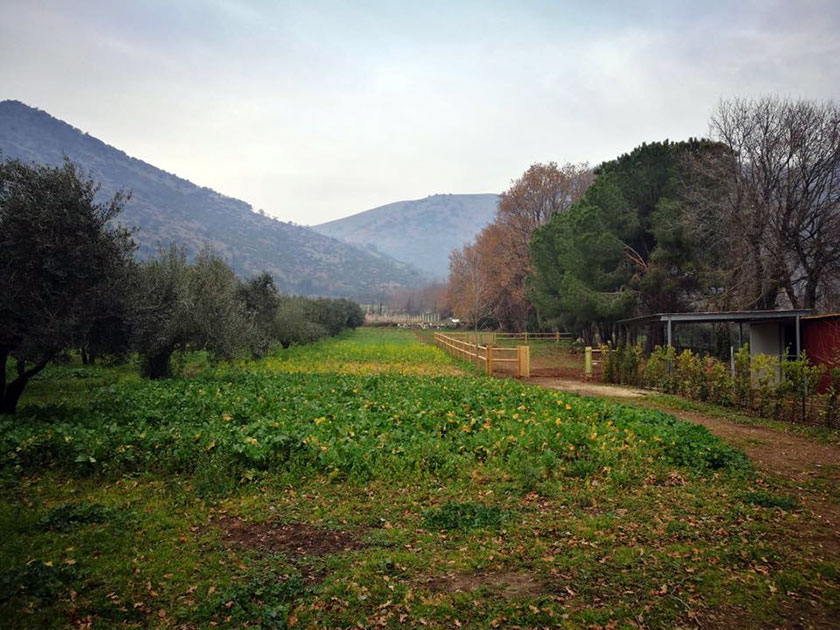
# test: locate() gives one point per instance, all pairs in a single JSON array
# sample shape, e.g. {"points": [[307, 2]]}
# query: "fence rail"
{"points": [[557, 337], [486, 355]]}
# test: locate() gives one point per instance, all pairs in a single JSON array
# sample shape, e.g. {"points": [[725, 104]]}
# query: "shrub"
{"points": [[658, 371]]}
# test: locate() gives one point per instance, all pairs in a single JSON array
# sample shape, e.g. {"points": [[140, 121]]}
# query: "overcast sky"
{"points": [[316, 110]]}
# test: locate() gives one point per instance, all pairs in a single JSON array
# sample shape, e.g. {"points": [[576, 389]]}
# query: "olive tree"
{"points": [[61, 258], [181, 305]]}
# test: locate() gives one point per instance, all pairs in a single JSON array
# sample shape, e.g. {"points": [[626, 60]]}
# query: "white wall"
{"points": [[766, 339]]}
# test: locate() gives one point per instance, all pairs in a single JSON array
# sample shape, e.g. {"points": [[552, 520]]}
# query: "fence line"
{"points": [[401, 318], [487, 355], [493, 337]]}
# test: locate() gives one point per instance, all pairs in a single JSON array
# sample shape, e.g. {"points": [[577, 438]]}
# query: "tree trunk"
{"points": [[10, 393], [157, 366]]}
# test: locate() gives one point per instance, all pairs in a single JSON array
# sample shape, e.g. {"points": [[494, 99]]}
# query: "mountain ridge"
{"points": [[419, 232], [167, 207]]}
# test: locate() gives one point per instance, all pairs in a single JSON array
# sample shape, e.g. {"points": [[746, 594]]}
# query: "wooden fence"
{"points": [[467, 346], [556, 337]]}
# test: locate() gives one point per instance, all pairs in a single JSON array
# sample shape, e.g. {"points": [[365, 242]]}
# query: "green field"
{"points": [[369, 481]]}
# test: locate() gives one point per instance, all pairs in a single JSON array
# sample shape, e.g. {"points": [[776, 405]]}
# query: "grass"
{"points": [[824, 435], [369, 479]]}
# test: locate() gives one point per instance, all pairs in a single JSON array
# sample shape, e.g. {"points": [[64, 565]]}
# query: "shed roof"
{"points": [[717, 316]]}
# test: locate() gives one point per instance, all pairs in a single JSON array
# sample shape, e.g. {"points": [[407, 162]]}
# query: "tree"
{"points": [[161, 311], [503, 246], [181, 305], [61, 258], [260, 300], [622, 249], [774, 219], [469, 296]]}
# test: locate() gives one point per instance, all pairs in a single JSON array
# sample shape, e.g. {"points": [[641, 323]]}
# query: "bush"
{"points": [[785, 389]]}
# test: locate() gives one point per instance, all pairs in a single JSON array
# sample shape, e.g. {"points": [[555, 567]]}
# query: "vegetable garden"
{"points": [[370, 479]]}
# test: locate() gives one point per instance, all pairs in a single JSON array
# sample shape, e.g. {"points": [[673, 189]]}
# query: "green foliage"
{"points": [[265, 598], [621, 247], [352, 439], [658, 370], [69, 515], [202, 305], [464, 517], [319, 409], [62, 262], [785, 389], [764, 499], [35, 581], [302, 320], [622, 364]]}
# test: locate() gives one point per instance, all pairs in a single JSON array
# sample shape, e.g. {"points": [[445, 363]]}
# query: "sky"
{"points": [[314, 110]]}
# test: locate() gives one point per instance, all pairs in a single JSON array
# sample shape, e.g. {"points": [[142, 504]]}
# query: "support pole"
{"points": [[587, 362]]}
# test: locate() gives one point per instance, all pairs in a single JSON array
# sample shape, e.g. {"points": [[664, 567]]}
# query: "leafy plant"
{"points": [[69, 515], [464, 517], [764, 499]]}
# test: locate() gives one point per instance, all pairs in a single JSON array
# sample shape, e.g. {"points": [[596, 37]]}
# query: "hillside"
{"points": [[420, 232], [165, 208]]}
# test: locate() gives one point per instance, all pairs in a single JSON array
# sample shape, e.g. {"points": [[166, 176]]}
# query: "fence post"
{"points": [[587, 362], [489, 360], [526, 353], [557, 336]]}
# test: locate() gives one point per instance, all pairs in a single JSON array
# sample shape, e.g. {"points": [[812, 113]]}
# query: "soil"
{"points": [[587, 388], [294, 539], [507, 585]]}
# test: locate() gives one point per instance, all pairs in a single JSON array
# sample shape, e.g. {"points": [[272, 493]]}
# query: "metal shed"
{"points": [[771, 332]]}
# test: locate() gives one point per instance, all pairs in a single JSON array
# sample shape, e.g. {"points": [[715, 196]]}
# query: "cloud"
{"points": [[317, 110]]}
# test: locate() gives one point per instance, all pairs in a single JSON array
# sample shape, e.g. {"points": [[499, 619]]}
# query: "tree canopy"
{"points": [[622, 247], [61, 257]]}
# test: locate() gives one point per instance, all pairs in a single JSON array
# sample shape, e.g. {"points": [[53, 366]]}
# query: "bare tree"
{"points": [[468, 288], [769, 201]]}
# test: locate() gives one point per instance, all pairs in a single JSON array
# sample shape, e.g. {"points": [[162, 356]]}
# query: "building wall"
{"points": [[765, 339], [821, 342]]}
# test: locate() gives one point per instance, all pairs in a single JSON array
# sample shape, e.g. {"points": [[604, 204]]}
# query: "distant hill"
{"points": [[166, 208], [421, 232]]}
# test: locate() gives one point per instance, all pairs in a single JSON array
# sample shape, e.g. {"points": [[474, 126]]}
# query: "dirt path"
{"points": [[811, 469], [588, 388]]}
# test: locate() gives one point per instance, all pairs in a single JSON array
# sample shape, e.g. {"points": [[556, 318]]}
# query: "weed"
{"points": [[764, 499], [464, 517], [70, 515]]}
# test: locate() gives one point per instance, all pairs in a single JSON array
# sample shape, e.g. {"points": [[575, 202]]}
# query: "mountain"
{"points": [[167, 208], [420, 232]]}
